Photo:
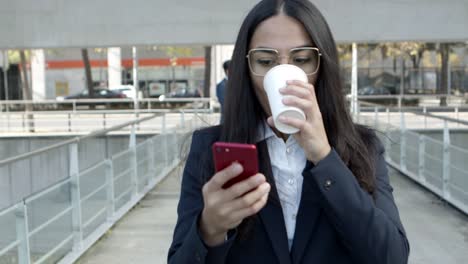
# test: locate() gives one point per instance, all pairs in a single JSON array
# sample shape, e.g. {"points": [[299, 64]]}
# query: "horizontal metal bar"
{"points": [[105, 100], [107, 111], [120, 154], [407, 96], [433, 141], [100, 212], [412, 148], [118, 198], [53, 219], [433, 158], [458, 188], [37, 152], [459, 149], [459, 170], [435, 177], [9, 247], [46, 190], [120, 175], [94, 167], [9, 209], [141, 144], [74, 140], [142, 161], [52, 251], [93, 193], [117, 127]]}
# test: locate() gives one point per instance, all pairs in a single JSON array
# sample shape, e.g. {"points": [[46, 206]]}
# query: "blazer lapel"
{"points": [[272, 214], [306, 221]]}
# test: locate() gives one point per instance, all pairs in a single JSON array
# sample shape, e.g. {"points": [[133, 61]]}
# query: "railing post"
{"points": [[182, 120], [425, 117], [421, 158], [75, 197], [69, 122], [446, 163], [457, 116], [110, 189], [376, 117], [388, 115], [163, 125], [196, 116], [402, 141], [104, 120], [133, 161], [22, 233], [150, 151]]}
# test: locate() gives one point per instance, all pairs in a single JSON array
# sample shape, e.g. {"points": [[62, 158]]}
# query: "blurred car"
{"points": [[128, 90], [98, 93], [370, 90], [183, 93]]}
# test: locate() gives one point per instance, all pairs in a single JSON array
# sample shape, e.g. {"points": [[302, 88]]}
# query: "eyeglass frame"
{"points": [[279, 57]]}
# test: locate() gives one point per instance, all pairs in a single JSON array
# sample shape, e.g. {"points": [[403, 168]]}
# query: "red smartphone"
{"points": [[224, 154]]}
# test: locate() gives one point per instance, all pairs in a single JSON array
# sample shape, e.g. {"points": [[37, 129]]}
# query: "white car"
{"points": [[128, 90]]}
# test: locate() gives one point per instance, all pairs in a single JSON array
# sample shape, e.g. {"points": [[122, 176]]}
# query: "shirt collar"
{"points": [[264, 131]]}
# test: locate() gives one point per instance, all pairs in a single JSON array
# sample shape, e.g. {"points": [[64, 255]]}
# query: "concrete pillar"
{"points": [[221, 53], [38, 77], [354, 81], [114, 67]]}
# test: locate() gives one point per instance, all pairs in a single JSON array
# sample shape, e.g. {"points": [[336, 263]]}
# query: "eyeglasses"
{"points": [[261, 60]]}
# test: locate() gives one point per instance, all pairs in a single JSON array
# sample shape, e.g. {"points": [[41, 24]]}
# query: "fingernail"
{"points": [[237, 167], [282, 118], [259, 178], [282, 90]]}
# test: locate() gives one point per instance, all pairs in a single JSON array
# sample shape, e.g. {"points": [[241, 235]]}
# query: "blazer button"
{"points": [[328, 184], [197, 257]]}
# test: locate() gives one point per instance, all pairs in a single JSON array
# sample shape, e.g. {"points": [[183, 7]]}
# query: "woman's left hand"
{"points": [[312, 136]]}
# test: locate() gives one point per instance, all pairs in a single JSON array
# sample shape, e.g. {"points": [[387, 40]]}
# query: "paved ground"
{"points": [[438, 233]]}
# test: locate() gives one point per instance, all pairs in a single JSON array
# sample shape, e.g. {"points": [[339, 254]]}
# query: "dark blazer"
{"points": [[337, 222]]}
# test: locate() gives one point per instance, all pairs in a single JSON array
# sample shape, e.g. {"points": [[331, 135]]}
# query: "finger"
{"points": [[223, 176], [310, 87], [241, 188], [303, 104], [270, 122], [251, 210], [297, 91], [294, 122], [250, 198]]}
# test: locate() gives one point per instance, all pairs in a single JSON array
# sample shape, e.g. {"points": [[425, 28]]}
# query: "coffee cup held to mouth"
{"points": [[274, 80]]}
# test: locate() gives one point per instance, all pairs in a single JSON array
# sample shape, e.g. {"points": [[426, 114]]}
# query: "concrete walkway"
{"points": [[437, 232]]}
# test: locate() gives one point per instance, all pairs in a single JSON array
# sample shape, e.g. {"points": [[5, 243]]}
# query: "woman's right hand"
{"points": [[224, 209]]}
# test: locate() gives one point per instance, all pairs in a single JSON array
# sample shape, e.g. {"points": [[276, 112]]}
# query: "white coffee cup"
{"points": [[274, 80]]}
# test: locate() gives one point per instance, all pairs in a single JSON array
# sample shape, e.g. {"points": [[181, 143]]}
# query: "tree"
{"points": [[89, 77], [444, 51], [206, 88], [27, 93]]}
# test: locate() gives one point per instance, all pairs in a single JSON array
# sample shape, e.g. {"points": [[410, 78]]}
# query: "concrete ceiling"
{"points": [[87, 23]]}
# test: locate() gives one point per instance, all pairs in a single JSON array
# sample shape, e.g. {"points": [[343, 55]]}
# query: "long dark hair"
{"points": [[243, 113]]}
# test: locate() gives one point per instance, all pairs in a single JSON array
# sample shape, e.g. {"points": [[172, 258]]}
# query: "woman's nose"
{"points": [[283, 60]]}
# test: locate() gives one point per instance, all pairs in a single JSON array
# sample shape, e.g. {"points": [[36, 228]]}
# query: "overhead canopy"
{"points": [[91, 23]]}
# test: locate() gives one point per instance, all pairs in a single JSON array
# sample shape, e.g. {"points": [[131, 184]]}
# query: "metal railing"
{"points": [[86, 120], [76, 105], [60, 222], [437, 165]]}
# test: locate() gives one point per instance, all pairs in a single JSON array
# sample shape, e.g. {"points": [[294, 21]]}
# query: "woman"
{"points": [[323, 194]]}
